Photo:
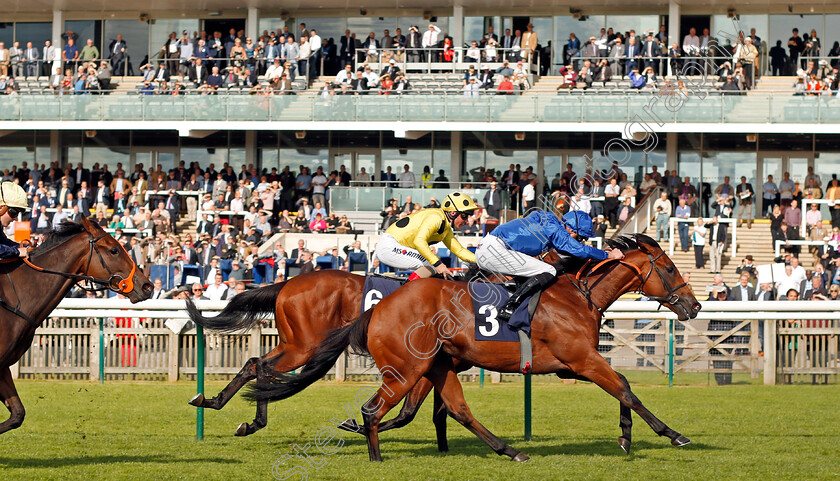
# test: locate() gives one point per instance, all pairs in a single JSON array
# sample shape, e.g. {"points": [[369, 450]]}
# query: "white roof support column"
{"points": [[455, 148], [674, 23], [456, 29], [252, 24], [57, 30]]}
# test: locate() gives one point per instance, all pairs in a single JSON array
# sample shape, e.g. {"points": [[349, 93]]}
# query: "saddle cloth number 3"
{"points": [[490, 325]]}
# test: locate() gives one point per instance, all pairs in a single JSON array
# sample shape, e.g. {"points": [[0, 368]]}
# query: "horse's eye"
{"points": [[114, 251], [670, 269]]}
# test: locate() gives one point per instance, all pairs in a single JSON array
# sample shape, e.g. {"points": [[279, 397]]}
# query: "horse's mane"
{"points": [[631, 242], [66, 230]]}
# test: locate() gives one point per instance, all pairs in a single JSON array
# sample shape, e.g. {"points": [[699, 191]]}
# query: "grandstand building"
{"points": [[766, 130]]}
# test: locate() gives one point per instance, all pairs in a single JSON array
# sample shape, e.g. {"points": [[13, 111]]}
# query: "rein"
{"points": [[582, 285], [115, 282]]}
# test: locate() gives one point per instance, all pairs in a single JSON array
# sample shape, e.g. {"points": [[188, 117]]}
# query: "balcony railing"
{"points": [[420, 108]]}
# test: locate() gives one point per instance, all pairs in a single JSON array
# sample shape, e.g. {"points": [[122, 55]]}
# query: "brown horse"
{"points": [[306, 308], [32, 288], [564, 333]]}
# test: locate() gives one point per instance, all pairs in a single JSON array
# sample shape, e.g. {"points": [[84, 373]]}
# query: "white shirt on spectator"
{"points": [[430, 37], [319, 183], [315, 43], [406, 180], [215, 293], [237, 205], [528, 193]]}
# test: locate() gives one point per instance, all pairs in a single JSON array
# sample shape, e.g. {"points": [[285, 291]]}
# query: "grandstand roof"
{"points": [[226, 8]]}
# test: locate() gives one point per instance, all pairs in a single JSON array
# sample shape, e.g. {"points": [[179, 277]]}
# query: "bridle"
{"points": [[582, 285], [116, 282]]}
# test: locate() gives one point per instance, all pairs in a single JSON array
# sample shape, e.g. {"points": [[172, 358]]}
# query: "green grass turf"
{"points": [[140, 431]]}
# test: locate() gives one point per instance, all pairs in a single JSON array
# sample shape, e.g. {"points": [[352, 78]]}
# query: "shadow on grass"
{"points": [[545, 447], [59, 462]]}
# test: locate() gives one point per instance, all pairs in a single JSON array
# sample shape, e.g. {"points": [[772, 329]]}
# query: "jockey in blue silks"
{"points": [[511, 247]]}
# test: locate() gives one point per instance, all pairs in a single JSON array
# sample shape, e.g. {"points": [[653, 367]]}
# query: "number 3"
{"points": [[490, 312]]}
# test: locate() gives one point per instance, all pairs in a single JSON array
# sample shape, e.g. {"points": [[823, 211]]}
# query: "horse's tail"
{"points": [[242, 312], [282, 386]]}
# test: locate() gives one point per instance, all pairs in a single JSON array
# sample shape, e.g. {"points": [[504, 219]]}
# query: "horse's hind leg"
{"points": [[439, 420], [9, 396], [413, 400], [446, 382], [595, 368], [246, 374], [263, 373]]}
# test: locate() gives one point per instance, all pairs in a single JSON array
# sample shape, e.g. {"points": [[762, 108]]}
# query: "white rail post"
{"points": [[341, 367], [173, 351], [94, 350], [15, 368], [770, 352], [254, 342]]}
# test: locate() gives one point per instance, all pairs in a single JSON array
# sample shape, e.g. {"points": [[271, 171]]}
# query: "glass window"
{"points": [[782, 25], [717, 165], [85, 29], [7, 33], [162, 27], [204, 156], [689, 166], [826, 166], [311, 158], [106, 156], [135, 35], [415, 159], [11, 156], [639, 23], [330, 27], [271, 24], [724, 27], [473, 29], [565, 25], [832, 34], [362, 26], [35, 32]]}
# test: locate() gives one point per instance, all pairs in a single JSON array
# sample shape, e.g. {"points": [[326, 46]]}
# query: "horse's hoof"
{"points": [[197, 400], [352, 426], [521, 458], [242, 430], [680, 441], [625, 444]]}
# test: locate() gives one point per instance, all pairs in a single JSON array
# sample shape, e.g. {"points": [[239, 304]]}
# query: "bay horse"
{"points": [[418, 330], [306, 308], [30, 288]]}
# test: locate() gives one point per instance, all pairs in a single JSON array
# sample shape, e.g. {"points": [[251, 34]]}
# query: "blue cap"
{"points": [[580, 223]]}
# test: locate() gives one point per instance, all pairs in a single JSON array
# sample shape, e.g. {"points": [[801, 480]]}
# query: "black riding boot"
{"points": [[531, 286]]}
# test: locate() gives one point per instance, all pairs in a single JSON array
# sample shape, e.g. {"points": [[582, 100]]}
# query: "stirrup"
{"points": [[526, 355]]}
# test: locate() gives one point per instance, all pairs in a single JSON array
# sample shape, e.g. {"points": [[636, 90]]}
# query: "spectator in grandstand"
{"points": [[699, 242], [520, 77], [407, 180], [318, 187], [743, 291], [359, 85], [718, 287], [485, 79], [662, 207], [471, 88], [198, 293], [493, 201], [793, 217]]}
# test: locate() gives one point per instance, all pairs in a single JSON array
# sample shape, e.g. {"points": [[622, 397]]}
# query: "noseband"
{"points": [[116, 282]]}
